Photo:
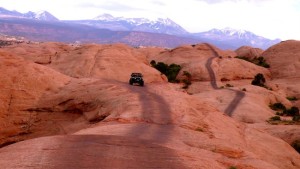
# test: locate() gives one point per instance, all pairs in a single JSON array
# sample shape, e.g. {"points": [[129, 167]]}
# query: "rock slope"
{"points": [[82, 93]]}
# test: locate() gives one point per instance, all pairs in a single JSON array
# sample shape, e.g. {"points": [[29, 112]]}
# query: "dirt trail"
{"points": [[213, 81]]}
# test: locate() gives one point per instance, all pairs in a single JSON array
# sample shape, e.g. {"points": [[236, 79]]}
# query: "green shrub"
{"points": [[187, 74], [187, 82], [296, 145], [293, 111], [277, 106], [275, 118], [296, 118], [232, 167], [229, 85], [153, 63], [170, 71], [259, 80], [260, 61], [243, 58]]}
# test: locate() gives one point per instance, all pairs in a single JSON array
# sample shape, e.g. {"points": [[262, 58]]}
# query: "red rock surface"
{"points": [[249, 52], [104, 122], [97, 61], [284, 59]]}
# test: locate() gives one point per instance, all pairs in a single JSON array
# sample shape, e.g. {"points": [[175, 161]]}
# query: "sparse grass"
{"points": [[283, 122], [199, 129], [293, 98], [232, 167], [275, 118], [229, 85]]}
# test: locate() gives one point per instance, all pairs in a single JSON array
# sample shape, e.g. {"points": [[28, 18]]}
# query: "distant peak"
{"points": [[166, 21], [109, 17], [228, 29], [40, 15], [104, 16]]}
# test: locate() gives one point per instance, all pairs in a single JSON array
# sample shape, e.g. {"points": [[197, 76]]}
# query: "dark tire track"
{"points": [[213, 81]]}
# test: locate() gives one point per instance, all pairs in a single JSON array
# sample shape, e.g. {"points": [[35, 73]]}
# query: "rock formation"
{"points": [[79, 97]]}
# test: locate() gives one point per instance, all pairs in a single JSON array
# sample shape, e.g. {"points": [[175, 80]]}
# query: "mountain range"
{"points": [[43, 26]]}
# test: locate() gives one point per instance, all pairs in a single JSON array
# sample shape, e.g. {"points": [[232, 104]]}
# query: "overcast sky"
{"points": [[268, 18]]}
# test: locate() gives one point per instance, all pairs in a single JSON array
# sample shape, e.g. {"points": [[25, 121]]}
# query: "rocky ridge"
{"points": [[82, 93]]}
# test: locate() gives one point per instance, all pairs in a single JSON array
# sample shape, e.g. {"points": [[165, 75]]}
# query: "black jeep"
{"points": [[136, 78]]}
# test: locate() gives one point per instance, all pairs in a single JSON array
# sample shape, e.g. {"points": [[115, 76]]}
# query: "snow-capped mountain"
{"points": [[7, 13], [41, 15], [236, 38], [159, 25], [162, 31], [229, 33]]}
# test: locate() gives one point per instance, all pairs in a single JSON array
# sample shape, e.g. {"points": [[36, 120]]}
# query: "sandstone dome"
{"points": [[249, 52], [284, 59]]}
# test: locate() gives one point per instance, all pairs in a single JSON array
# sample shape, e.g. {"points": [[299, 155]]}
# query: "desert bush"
{"points": [[171, 71], [277, 106], [296, 118], [187, 81], [275, 118], [259, 80], [260, 61], [293, 111], [296, 145], [232, 167], [229, 85], [187, 74], [243, 58], [153, 63]]}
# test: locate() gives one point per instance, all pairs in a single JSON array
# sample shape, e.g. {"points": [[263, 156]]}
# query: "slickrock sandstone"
{"points": [[82, 93], [22, 85], [117, 61], [249, 52], [284, 59], [195, 59]]}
